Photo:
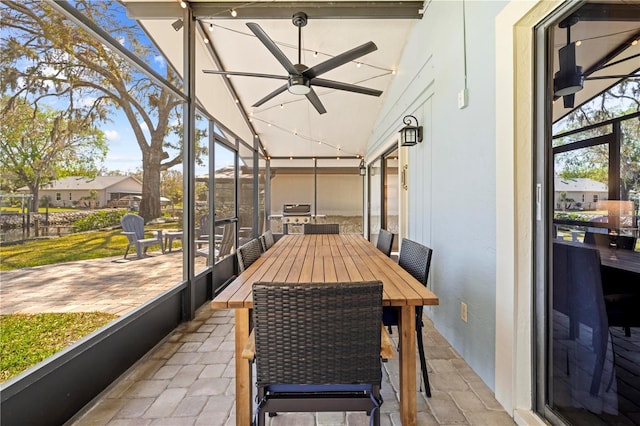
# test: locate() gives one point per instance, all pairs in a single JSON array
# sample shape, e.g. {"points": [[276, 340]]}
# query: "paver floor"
{"points": [[188, 379]]}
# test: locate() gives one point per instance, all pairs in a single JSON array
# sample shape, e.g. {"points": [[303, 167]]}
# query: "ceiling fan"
{"points": [[300, 78], [570, 79]]}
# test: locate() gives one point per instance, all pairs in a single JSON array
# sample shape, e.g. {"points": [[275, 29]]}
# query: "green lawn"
{"points": [[82, 246], [25, 340], [68, 248], [41, 211]]}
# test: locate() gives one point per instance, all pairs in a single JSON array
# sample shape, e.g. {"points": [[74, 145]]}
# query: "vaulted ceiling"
{"points": [[289, 125]]}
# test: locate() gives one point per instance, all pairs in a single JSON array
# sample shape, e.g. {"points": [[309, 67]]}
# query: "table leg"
{"points": [[243, 370], [407, 331]]}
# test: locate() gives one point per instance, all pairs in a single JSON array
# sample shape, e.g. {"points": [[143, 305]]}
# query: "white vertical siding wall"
{"points": [[452, 173]]}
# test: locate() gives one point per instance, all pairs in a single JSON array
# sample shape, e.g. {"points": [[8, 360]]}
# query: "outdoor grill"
{"points": [[295, 214]]}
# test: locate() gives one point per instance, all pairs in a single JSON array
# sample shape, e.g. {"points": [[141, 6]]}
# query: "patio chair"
{"points": [[385, 242], [248, 253], [306, 359], [415, 258], [133, 228], [321, 228], [266, 240], [203, 231], [577, 278], [223, 242]]}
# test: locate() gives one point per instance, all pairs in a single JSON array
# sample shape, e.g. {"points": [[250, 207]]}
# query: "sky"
{"points": [[125, 155]]}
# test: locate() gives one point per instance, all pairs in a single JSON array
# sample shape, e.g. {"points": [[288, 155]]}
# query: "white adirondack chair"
{"points": [[133, 228]]}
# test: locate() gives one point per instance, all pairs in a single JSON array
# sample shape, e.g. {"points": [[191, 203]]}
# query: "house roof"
{"points": [[579, 185], [80, 183]]}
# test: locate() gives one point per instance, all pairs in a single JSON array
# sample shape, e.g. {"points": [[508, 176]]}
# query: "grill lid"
{"points": [[296, 210]]}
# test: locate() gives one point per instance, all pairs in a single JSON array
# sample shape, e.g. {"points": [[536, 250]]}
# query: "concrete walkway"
{"points": [[188, 379]]}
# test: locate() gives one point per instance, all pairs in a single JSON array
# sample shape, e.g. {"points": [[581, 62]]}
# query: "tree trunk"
{"points": [[33, 207], [150, 203]]}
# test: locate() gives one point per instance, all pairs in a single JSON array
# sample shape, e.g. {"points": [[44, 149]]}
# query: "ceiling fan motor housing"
{"points": [[569, 78], [299, 85]]}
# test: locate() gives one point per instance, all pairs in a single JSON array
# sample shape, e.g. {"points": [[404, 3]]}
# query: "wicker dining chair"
{"points": [[248, 253], [266, 240], [321, 228], [577, 278], [385, 242], [306, 359], [415, 258]]}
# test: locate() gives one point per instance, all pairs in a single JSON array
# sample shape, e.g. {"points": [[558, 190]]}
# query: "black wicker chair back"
{"points": [[385, 242], [266, 240], [306, 359], [415, 258], [321, 228], [248, 253], [579, 271]]}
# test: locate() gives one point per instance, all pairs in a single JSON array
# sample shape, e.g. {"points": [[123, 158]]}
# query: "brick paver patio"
{"points": [[188, 379]]}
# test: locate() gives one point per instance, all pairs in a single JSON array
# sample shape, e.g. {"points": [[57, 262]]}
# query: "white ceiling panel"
{"points": [[288, 125]]}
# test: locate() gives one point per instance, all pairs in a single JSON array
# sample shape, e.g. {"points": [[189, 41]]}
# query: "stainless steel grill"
{"points": [[295, 214]]}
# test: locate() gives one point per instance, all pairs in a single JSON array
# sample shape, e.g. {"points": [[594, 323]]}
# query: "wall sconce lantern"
{"points": [[362, 169], [410, 135]]}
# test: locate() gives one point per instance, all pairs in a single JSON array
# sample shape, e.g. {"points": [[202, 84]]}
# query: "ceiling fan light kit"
{"points": [[298, 85], [301, 79]]}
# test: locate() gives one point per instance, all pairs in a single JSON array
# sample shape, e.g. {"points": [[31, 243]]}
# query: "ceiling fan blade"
{"points": [[246, 74], [605, 77], [341, 59], [273, 48], [271, 95], [331, 84], [315, 101]]}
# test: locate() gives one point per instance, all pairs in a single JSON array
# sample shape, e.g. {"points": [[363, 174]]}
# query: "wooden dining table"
{"points": [[328, 258], [614, 258]]}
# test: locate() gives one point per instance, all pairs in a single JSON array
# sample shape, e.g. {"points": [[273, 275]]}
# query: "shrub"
{"points": [[98, 220]]}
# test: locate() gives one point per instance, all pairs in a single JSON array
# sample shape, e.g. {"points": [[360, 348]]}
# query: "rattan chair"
{"points": [[578, 280], [415, 258], [248, 253], [306, 359], [385, 242], [266, 240], [321, 228]]}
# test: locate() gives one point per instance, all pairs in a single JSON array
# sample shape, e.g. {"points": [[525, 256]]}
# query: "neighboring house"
{"points": [[78, 191], [578, 193]]}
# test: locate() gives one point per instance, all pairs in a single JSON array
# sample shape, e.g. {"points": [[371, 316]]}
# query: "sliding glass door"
{"points": [[587, 256]]}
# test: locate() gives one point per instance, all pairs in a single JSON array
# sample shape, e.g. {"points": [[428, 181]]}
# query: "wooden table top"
{"points": [[624, 260], [326, 258]]}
